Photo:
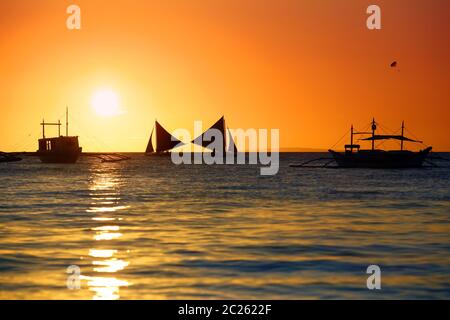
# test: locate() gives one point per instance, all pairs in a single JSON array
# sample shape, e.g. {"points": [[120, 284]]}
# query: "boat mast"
{"points": [[401, 141], [67, 121], [351, 139], [374, 127], [224, 148]]}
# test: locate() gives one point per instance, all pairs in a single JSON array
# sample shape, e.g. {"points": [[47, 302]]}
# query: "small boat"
{"points": [[220, 126], [164, 142], [60, 149], [9, 157], [354, 157]]}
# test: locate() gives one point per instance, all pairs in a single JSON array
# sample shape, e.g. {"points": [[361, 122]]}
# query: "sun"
{"points": [[106, 103]]}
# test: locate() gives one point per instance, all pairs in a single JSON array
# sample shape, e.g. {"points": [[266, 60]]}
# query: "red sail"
{"points": [[164, 140], [219, 125]]}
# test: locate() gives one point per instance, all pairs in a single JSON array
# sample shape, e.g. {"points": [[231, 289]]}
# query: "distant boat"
{"points": [[221, 126], [353, 157], [60, 149], [9, 157], [164, 141]]}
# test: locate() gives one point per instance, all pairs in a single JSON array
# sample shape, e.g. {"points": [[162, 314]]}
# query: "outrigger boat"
{"points": [[354, 157], [60, 149]]}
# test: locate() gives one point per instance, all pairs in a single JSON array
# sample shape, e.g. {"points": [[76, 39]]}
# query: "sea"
{"points": [[148, 229]]}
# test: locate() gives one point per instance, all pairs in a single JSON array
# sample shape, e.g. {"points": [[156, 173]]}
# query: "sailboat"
{"points": [[353, 157], [219, 125], [164, 141]]}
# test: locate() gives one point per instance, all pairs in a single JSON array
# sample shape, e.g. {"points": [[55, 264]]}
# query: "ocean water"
{"points": [[147, 229]]}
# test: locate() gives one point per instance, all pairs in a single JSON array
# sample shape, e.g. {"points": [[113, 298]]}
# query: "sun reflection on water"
{"points": [[106, 261], [106, 209], [99, 236], [106, 219], [110, 265], [97, 253]]}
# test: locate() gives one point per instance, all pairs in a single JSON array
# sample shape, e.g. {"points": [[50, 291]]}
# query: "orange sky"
{"points": [[309, 68]]}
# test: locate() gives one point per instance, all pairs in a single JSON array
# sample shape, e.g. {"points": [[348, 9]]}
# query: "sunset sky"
{"points": [[308, 67]]}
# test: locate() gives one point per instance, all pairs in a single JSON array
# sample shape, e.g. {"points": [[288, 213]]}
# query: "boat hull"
{"points": [[380, 159], [63, 149], [59, 157]]}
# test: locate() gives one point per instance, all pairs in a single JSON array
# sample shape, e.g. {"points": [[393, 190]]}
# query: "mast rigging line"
{"points": [[415, 137], [394, 133], [24, 142], [342, 138], [99, 144], [348, 132]]}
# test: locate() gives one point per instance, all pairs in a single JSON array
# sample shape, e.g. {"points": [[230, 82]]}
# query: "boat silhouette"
{"points": [[354, 157], [165, 142], [219, 125], [60, 149]]}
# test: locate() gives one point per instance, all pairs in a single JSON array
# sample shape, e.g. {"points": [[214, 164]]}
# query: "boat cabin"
{"points": [[58, 144]]}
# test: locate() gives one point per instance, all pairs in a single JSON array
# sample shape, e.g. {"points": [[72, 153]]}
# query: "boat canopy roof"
{"points": [[386, 137]]}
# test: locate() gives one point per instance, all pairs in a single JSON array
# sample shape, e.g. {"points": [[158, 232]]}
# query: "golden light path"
{"points": [[105, 194]]}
